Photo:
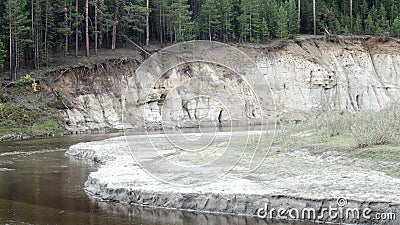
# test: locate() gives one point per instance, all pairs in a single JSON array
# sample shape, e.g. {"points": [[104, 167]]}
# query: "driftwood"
{"points": [[140, 48]]}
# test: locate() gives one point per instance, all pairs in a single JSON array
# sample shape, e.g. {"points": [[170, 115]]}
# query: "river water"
{"points": [[40, 185]]}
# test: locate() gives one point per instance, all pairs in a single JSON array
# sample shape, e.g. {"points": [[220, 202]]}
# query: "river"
{"points": [[40, 185]]}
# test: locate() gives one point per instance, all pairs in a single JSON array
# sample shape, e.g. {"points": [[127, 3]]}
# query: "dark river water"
{"points": [[40, 185]]}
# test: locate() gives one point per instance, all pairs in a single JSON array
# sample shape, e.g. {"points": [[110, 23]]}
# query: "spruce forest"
{"points": [[34, 31]]}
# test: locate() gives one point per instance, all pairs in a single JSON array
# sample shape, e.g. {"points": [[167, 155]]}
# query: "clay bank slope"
{"points": [[305, 74], [153, 170]]}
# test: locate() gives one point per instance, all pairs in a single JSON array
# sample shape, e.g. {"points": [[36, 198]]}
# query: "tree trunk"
{"points": [[161, 26], [351, 16], [76, 28], [315, 18], [33, 32], [251, 33], [96, 33], [209, 27], [114, 31], [66, 25], [45, 32], [11, 45], [299, 15], [147, 22], [38, 33], [87, 27]]}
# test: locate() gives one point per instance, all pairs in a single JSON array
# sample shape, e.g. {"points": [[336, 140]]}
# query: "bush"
{"points": [[366, 128], [377, 128], [332, 123]]}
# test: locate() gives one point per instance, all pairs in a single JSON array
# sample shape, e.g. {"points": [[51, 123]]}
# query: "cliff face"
{"points": [[354, 75], [306, 74]]}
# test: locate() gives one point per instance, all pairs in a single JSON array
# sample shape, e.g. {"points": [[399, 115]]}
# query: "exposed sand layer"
{"points": [[210, 172]]}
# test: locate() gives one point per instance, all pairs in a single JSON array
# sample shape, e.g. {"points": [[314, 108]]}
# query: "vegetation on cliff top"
{"points": [[34, 32]]}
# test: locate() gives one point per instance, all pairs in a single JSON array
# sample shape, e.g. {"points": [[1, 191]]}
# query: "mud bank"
{"points": [[132, 173]]}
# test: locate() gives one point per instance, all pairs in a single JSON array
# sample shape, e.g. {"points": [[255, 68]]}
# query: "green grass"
{"points": [[28, 112], [370, 135], [40, 129], [379, 153]]}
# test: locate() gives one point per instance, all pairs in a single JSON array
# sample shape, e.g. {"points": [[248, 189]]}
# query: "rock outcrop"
{"points": [[312, 73]]}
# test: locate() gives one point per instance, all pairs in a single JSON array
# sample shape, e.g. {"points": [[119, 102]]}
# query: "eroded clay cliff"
{"points": [[306, 74]]}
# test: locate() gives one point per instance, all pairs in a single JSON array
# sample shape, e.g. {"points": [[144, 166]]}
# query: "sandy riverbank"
{"points": [[151, 170]]}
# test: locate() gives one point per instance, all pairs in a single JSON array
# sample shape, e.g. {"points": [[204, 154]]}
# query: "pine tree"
{"points": [[115, 24], [17, 18], [134, 16], [314, 18], [283, 23], [147, 22], [227, 20], [395, 28], [270, 12], [381, 20], [179, 19], [210, 19], [292, 17], [265, 32], [104, 21], [87, 27], [244, 20], [2, 55], [63, 26], [369, 25], [78, 18], [256, 20], [351, 16], [357, 28], [2, 48], [249, 20]]}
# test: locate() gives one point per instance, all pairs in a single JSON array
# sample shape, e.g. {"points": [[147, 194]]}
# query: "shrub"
{"points": [[332, 123], [377, 128]]}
